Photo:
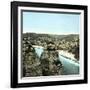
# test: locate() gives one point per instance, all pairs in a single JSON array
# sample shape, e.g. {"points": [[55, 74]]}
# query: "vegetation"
{"points": [[62, 42], [48, 63]]}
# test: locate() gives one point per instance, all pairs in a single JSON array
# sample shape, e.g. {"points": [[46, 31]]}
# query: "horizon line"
{"points": [[52, 33]]}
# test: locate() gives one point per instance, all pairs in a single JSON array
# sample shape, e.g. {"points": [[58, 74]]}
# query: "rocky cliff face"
{"points": [[50, 62], [32, 65], [31, 62]]}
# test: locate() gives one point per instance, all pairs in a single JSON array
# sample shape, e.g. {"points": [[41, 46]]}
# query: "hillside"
{"points": [[62, 42]]}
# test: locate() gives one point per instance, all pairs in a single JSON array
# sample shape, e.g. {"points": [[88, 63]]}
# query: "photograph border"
{"points": [[14, 43]]}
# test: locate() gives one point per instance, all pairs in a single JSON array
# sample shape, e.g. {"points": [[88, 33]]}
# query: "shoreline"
{"points": [[67, 55], [37, 46], [63, 53]]}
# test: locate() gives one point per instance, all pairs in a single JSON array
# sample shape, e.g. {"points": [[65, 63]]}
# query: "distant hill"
{"points": [[62, 42], [69, 37], [66, 37]]}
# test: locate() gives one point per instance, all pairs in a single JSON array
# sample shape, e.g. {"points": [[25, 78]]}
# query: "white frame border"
{"points": [[51, 78]]}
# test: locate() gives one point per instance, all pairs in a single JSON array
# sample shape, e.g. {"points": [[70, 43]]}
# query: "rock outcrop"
{"points": [[50, 62], [45, 65], [31, 62]]}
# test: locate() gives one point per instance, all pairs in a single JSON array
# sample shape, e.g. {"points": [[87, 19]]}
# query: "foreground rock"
{"points": [[50, 62], [31, 62], [47, 64]]}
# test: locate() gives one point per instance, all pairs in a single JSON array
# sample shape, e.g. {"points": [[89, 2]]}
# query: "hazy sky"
{"points": [[52, 23]]}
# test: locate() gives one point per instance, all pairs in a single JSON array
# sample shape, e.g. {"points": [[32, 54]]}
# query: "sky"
{"points": [[51, 23]]}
